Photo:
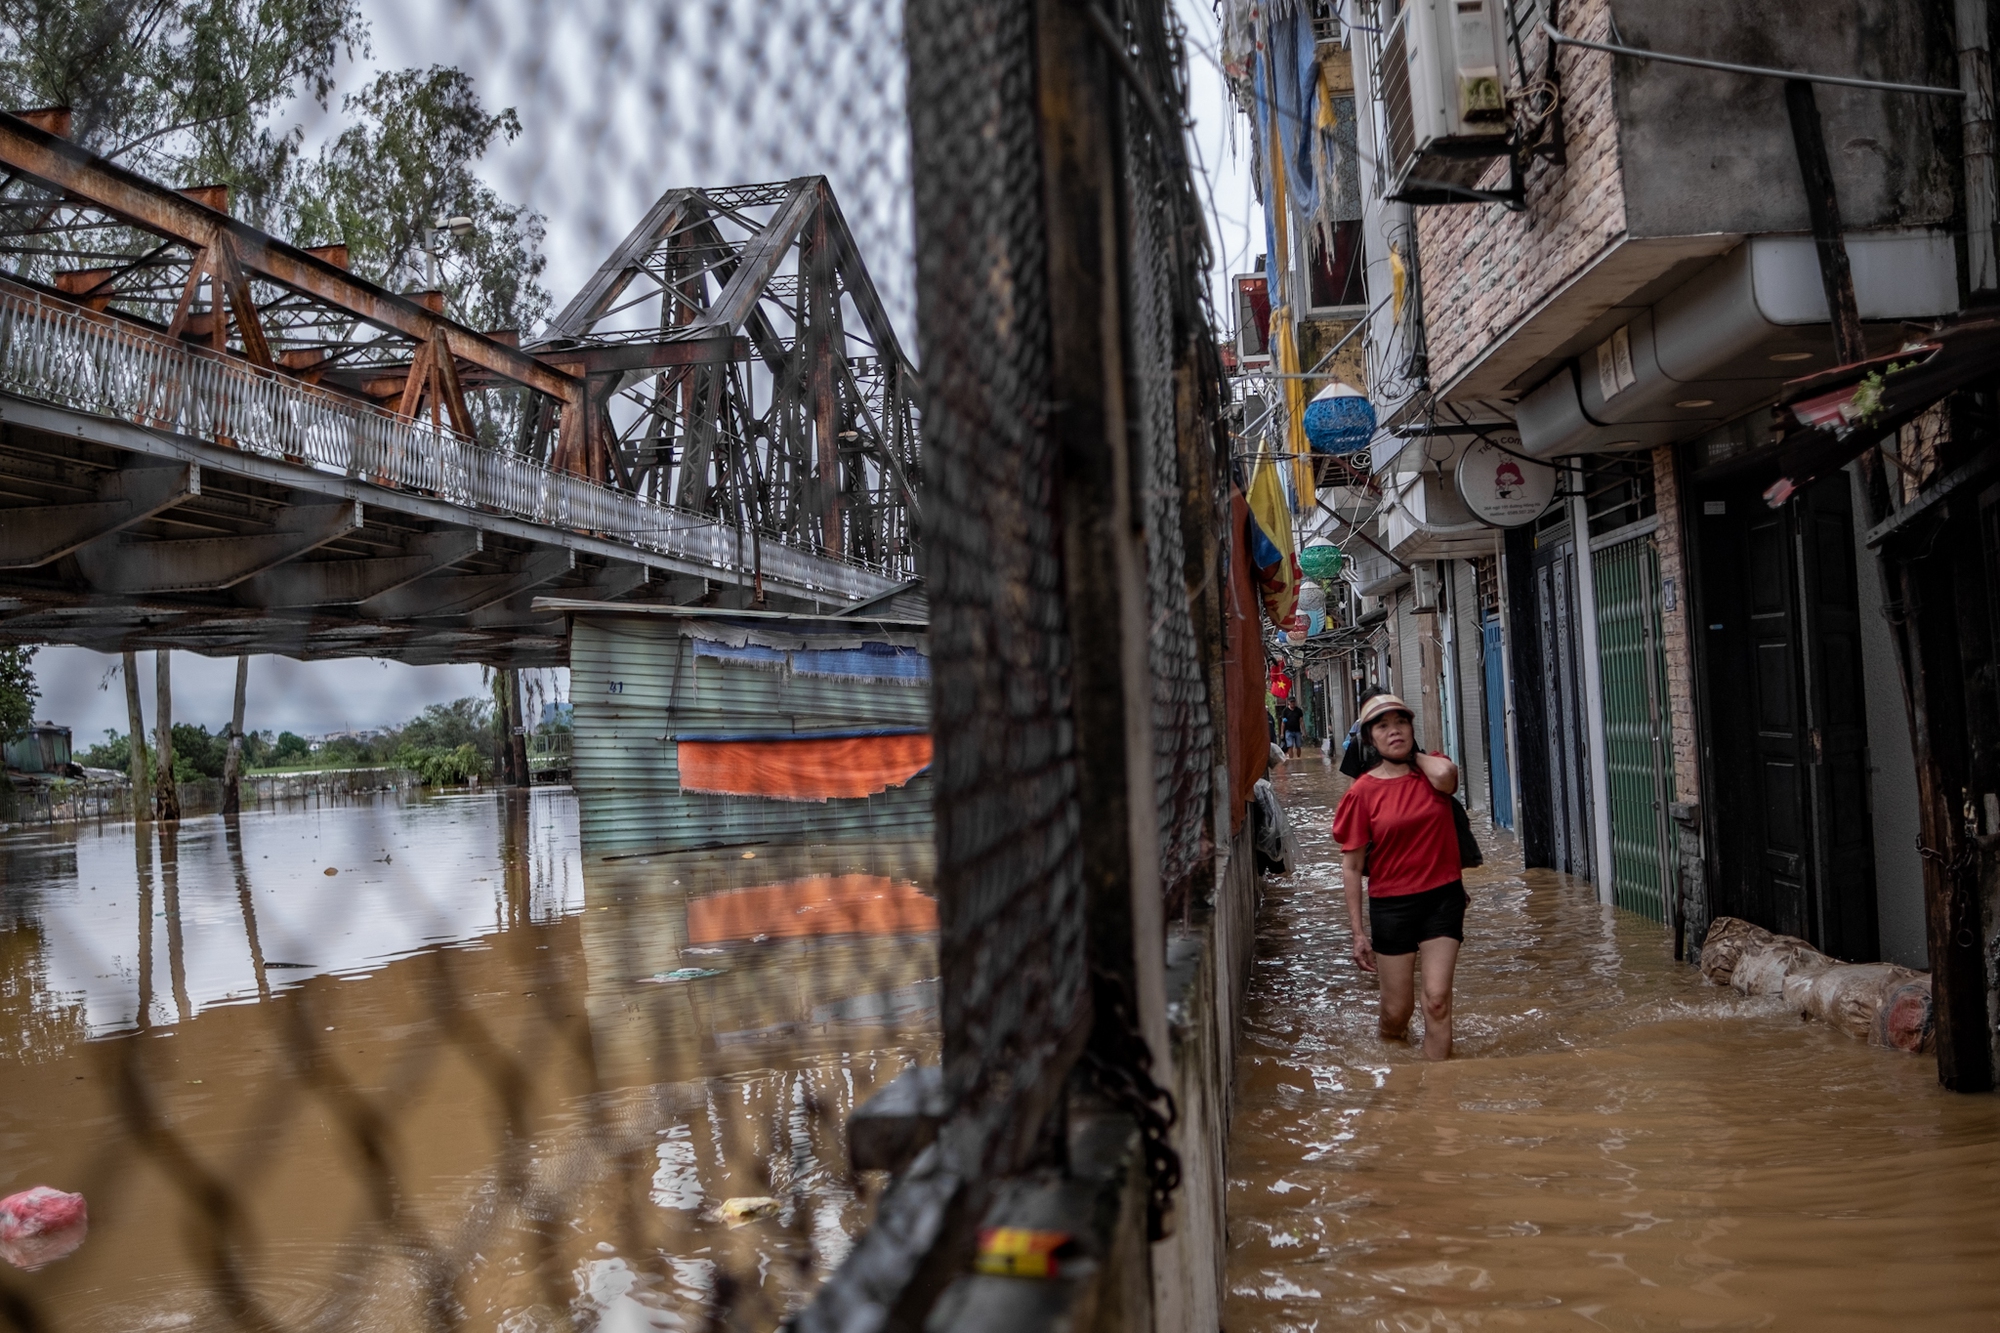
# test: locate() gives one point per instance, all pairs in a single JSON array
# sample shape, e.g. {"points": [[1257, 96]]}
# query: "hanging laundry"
{"points": [[1272, 552]]}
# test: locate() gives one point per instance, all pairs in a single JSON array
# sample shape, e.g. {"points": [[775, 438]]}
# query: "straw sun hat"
{"points": [[1379, 705]]}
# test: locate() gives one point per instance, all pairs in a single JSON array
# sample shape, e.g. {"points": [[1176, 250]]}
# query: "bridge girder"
{"points": [[756, 412], [806, 434]]}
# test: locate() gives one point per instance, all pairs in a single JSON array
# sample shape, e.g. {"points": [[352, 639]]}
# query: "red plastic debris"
{"points": [[40, 1225]]}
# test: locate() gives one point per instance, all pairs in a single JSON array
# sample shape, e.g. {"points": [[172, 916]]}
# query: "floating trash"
{"points": [[748, 1209], [41, 1225], [686, 974]]}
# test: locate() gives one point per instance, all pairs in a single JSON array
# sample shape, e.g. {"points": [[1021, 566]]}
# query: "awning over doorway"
{"points": [[1827, 420]]}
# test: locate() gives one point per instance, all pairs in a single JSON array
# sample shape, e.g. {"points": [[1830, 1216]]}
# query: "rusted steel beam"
{"points": [[618, 358], [859, 284], [759, 261], [616, 272], [88, 178]]}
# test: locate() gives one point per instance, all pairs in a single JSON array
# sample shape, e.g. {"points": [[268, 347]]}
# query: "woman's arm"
{"points": [[1441, 771], [1350, 880]]}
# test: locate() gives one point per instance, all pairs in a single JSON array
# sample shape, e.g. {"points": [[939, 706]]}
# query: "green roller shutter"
{"points": [[1638, 755]]}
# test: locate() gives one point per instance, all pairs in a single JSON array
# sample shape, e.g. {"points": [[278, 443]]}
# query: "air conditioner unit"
{"points": [[1253, 319], [1443, 95]]}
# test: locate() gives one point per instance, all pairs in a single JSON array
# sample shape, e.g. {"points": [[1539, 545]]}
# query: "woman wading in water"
{"points": [[1396, 821]]}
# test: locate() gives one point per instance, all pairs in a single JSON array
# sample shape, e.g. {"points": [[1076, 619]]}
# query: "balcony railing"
{"points": [[57, 353]]}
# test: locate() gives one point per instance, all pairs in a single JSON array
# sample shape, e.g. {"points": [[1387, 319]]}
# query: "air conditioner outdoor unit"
{"points": [[1444, 97]]}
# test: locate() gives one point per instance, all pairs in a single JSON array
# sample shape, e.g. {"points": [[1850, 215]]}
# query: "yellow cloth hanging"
{"points": [[1276, 556], [1284, 343]]}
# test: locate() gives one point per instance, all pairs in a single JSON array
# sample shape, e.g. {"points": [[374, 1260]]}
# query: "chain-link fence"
{"points": [[436, 1061]]}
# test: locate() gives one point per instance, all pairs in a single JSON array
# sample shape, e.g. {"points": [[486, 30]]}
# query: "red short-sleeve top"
{"points": [[1407, 821]]}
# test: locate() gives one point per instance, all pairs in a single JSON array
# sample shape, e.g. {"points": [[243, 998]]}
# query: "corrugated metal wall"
{"points": [[1409, 660], [1472, 787], [637, 682]]}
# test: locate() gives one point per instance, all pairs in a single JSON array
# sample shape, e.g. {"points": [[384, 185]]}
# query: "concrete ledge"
{"points": [[887, 1131], [1208, 967], [1101, 1203]]}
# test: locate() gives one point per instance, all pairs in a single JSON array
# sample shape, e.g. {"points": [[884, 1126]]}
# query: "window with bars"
{"points": [[1618, 491]]}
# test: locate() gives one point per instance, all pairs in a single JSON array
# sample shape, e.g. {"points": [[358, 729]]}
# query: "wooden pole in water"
{"points": [[166, 800], [517, 739], [135, 763], [232, 765]]}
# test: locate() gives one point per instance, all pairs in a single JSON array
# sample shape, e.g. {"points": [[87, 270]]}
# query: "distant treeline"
{"points": [[445, 745]]}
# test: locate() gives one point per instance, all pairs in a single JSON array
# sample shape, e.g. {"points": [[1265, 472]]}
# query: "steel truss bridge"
{"points": [[213, 440]]}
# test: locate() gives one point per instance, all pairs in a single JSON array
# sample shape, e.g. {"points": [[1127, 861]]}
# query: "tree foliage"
{"points": [[406, 163], [18, 691], [183, 90], [187, 91], [445, 745]]}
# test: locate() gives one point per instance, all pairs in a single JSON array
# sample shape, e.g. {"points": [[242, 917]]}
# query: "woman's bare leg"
{"points": [[1398, 974], [1440, 960]]}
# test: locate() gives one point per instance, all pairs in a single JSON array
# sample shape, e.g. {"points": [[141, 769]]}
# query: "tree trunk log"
{"points": [[135, 763], [166, 799]]}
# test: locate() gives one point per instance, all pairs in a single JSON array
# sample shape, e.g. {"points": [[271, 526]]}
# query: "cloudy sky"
{"points": [[618, 103]]}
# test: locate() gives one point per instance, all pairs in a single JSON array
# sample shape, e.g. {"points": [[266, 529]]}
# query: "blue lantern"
{"points": [[1339, 420]]}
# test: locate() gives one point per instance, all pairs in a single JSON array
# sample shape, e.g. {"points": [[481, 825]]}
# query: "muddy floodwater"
{"points": [[409, 1063], [1614, 1146]]}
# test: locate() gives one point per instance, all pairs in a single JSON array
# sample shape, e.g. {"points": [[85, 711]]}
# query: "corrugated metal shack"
{"points": [[702, 729]]}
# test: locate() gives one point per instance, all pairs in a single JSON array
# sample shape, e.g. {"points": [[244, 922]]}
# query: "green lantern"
{"points": [[1321, 561]]}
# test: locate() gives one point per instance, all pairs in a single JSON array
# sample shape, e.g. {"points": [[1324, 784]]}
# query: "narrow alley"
{"points": [[1615, 1143]]}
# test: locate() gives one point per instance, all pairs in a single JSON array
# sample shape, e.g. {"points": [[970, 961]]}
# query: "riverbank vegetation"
{"points": [[445, 745]]}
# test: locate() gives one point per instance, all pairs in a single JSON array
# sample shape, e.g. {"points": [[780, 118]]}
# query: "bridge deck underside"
{"points": [[116, 537]]}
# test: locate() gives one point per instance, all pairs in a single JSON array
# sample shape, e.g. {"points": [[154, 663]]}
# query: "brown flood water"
{"points": [[470, 1079], [1615, 1145]]}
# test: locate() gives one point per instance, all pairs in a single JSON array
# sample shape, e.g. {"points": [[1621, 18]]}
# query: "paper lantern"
{"points": [[1315, 622], [1321, 560], [1312, 599], [1339, 420]]}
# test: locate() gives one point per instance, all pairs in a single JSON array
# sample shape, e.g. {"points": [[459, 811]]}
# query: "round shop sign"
{"points": [[1501, 488]]}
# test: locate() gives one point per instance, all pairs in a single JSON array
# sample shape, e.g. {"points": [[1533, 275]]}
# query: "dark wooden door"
{"points": [[1836, 722], [1785, 719], [1776, 734], [1561, 688]]}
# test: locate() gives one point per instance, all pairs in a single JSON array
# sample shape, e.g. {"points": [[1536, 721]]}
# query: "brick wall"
{"points": [[1679, 650], [1484, 268]]}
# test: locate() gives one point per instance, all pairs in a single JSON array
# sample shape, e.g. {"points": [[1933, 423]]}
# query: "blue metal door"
{"points": [[1496, 724]]}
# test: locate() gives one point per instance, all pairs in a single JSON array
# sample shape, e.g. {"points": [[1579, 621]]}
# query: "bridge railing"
{"points": [[54, 352]]}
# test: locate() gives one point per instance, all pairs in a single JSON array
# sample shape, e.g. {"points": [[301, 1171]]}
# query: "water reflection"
{"points": [[1617, 1145], [470, 1077]]}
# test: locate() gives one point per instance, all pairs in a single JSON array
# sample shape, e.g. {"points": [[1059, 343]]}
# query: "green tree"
{"points": [[183, 90], [467, 721], [290, 748], [382, 186], [114, 751], [197, 754], [18, 691]]}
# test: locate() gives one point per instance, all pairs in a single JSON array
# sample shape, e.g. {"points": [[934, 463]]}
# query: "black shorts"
{"points": [[1400, 923]]}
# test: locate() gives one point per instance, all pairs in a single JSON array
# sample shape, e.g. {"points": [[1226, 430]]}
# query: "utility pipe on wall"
{"points": [[1975, 76]]}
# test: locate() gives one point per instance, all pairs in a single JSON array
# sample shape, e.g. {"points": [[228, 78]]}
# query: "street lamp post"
{"points": [[458, 225]]}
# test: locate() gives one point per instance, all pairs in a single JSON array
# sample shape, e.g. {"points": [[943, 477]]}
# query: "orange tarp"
{"points": [[806, 768], [821, 905]]}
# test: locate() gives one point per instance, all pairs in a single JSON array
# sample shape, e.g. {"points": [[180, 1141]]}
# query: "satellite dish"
{"points": [[1504, 489]]}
